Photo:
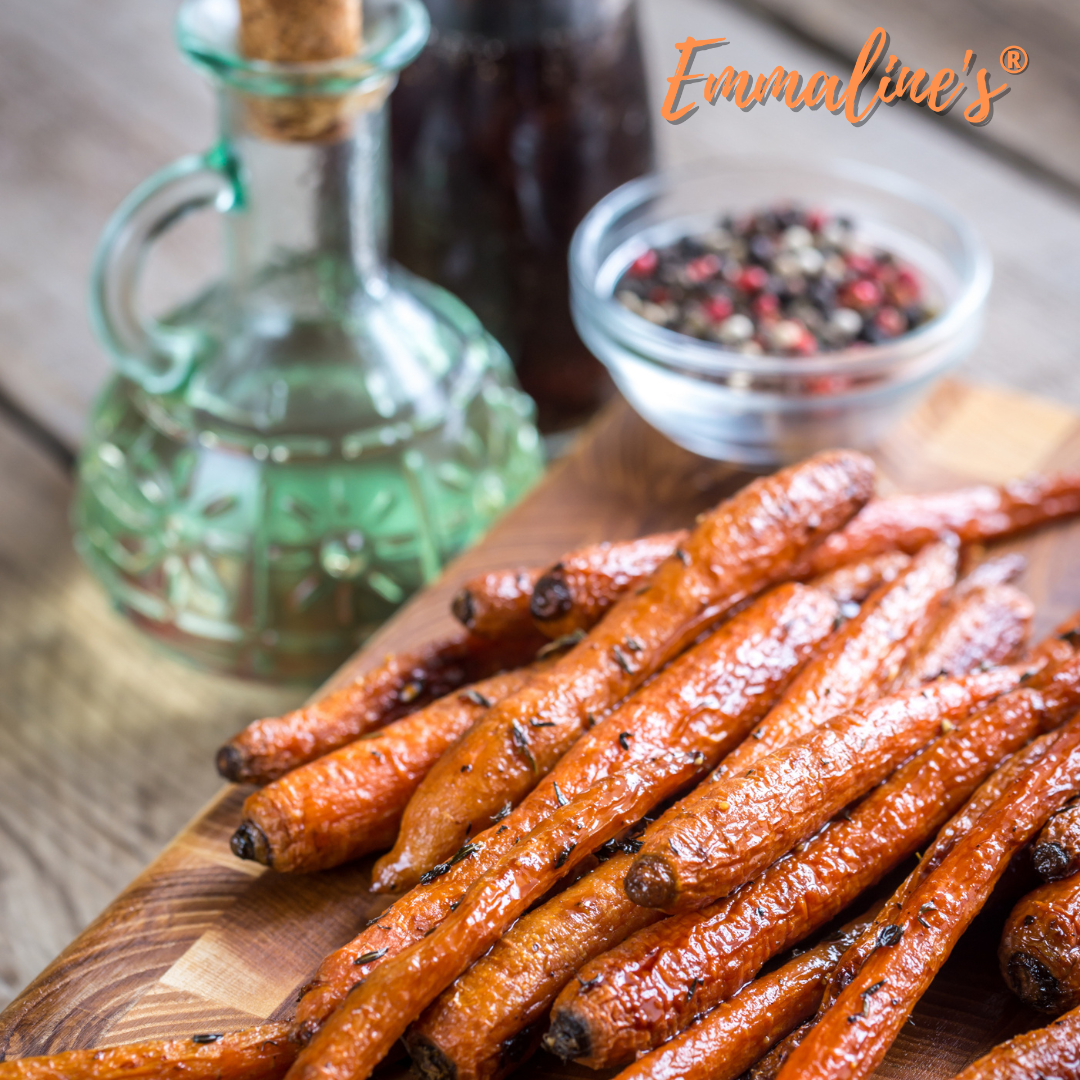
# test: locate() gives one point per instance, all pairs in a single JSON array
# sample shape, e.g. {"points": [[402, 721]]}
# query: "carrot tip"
{"points": [[1051, 861], [230, 763], [651, 882], [463, 608], [249, 842], [1033, 983], [550, 599], [430, 1060], [568, 1037]]}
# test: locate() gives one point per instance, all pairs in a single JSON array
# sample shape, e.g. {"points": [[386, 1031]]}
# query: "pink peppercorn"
{"points": [[701, 269], [753, 279], [766, 305], [890, 321], [862, 295], [645, 263], [718, 307]]}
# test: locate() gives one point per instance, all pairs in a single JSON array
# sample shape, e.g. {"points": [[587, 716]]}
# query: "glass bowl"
{"points": [[767, 410]]}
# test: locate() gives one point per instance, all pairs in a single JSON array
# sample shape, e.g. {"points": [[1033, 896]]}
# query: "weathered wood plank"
{"points": [[1038, 118]]}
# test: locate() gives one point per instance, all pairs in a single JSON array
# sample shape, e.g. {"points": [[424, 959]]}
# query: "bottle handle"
{"points": [[156, 356]]}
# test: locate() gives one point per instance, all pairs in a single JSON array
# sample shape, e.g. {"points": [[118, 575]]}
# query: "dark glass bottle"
{"points": [[516, 118]]}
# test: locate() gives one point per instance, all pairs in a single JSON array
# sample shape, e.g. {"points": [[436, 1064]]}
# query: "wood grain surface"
{"points": [[203, 942]]}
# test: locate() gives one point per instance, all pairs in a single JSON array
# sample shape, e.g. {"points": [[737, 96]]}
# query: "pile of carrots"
{"points": [[634, 779]]}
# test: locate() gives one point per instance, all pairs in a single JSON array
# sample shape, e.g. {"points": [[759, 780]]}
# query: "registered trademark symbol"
{"points": [[1014, 59]]}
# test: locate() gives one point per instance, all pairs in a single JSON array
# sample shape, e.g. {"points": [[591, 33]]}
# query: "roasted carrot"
{"points": [[1057, 850], [974, 514], [489, 1019], [852, 1037], [990, 621], [749, 542], [853, 582], [258, 1053], [1052, 1052], [769, 1066], [377, 1011], [701, 706], [349, 802], [1040, 947], [861, 660], [497, 602], [637, 995], [492, 1018], [743, 822], [576, 592], [269, 748], [728, 1040], [695, 709]]}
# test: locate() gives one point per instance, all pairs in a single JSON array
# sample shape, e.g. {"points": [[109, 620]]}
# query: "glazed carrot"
{"points": [[1057, 850], [496, 602], [489, 1019], [853, 582], [768, 1068], [728, 1040], [695, 709], [581, 586], [349, 802], [745, 821], [1052, 1052], [637, 994], [377, 1011], [492, 1018], [852, 1037], [701, 705], [980, 513], [958, 826], [861, 661], [269, 748], [749, 542], [259, 1053], [1040, 947], [989, 621]]}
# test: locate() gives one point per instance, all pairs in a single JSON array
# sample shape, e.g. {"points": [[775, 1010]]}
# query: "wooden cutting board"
{"points": [[204, 942]]}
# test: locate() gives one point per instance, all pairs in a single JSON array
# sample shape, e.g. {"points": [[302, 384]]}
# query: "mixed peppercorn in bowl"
{"points": [[759, 311]]}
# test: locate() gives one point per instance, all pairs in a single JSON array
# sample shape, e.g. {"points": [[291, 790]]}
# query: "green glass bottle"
{"points": [[284, 459]]}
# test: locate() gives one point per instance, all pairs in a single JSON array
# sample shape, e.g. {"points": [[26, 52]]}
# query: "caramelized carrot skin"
{"points": [[377, 1011], [853, 582], [908, 522], [981, 624], [479, 1026], [743, 823], [1040, 947], [728, 1040], [1057, 850], [638, 997], [349, 802], [1057, 692], [576, 592], [269, 748], [258, 1053], [860, 661], [497, 602], [851, 1039], [749, 542], [1052, 1052], [697, 708]]}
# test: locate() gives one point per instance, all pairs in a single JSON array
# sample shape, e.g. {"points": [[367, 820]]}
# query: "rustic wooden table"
{"points": [[105, 745]]}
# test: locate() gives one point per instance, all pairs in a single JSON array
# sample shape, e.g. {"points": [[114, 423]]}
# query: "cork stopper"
{"points": [[296, 32]]}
